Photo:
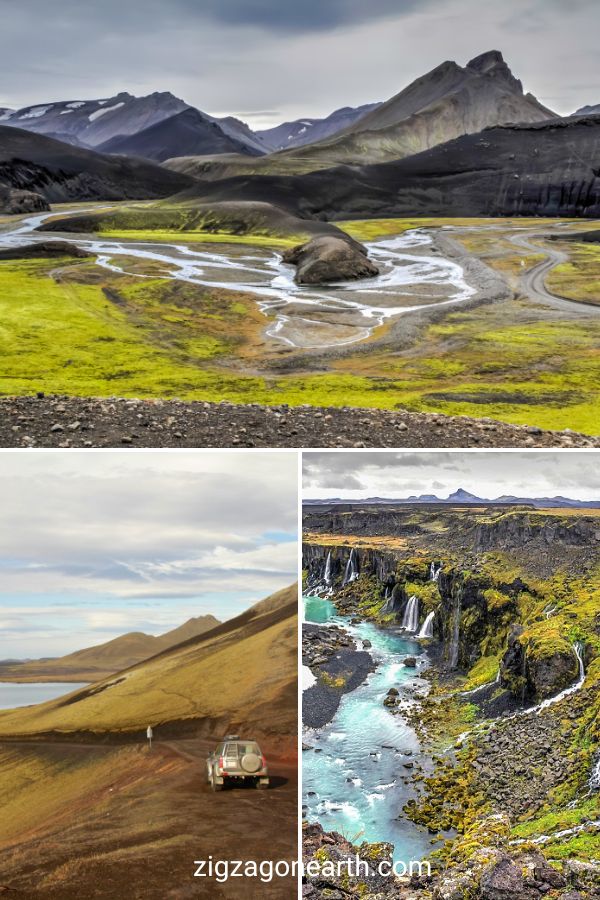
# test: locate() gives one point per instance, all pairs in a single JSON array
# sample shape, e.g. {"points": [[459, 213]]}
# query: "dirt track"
{"points": [[80, 423], [137, 837], [533, 282]]}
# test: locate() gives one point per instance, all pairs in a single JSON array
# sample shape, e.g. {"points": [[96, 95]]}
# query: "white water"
{"points": [[351, 572], [427, 627], [434, 573], [410, 620], [355, 784], [595, 776], [301, 316], [558, 835], [328, 570]]}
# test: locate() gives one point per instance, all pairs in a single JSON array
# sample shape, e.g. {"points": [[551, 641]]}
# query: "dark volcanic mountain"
{"points": [[307, 131], [189, 133], [447, 102], [549, 168], [60, 172]]}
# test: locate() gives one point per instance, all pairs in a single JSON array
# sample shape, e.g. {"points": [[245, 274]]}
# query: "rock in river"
{"points": [[328, 258]]}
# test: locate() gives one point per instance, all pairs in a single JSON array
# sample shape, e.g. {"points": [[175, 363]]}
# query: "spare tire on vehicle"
{"points": [[250, 762]]}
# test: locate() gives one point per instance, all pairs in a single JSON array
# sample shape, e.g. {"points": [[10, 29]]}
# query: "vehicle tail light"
{"points": [[264, 763], [221, 765]]}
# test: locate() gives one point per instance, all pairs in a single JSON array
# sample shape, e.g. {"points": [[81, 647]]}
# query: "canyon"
{"points": [[492, 688]]}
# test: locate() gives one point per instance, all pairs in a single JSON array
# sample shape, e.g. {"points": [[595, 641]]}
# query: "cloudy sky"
{"points": [[268, 60], [93, 545], [488, 475]]}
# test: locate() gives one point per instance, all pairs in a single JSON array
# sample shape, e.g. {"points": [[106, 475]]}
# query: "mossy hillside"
{"points": [[506, 361], [165, 221], [151, 340]]}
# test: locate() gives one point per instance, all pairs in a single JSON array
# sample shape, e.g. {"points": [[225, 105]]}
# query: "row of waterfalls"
{"points": [[323, 586]]}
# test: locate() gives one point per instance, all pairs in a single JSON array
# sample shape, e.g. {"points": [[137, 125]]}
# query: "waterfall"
{"points": [[328, 569], [455, 634], [410, 621], [427, 628], [434, 573], [577, 648], [351, 572], [595, 776]]}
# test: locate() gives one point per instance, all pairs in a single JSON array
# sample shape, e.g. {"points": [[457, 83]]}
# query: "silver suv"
{"points": [[235, 761]]}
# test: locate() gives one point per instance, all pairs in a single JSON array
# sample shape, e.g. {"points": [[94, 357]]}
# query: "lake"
{"points": [[13, 695]]}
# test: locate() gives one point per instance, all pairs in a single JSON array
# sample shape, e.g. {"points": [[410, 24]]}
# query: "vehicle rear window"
{"points": [[240, 748]]}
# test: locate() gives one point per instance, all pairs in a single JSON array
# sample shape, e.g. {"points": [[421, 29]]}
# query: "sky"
{"points": [[488, 475], [96, 544], [267, 61]]}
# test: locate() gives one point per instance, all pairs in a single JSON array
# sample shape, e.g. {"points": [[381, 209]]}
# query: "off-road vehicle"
{"points": [[236, 761]]}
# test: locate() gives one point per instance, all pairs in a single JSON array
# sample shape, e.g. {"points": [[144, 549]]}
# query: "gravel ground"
{"points": [[74, 422], [320, 702]]}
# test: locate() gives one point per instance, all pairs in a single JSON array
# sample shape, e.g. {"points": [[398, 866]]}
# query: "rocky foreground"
{"points": [[54, 421], [484, 867]]}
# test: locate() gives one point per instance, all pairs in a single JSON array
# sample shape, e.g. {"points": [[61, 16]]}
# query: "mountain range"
{"points": [[458, 141], [102, 660], [462, 496]]}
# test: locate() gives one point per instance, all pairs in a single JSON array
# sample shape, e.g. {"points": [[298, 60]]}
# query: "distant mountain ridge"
{"points": [[307, 130], [463, 496], [102, 660]]}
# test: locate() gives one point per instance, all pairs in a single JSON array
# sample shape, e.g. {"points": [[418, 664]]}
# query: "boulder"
{"points": [[552, 671], [327, 258], [410, 662], [503, 880]]}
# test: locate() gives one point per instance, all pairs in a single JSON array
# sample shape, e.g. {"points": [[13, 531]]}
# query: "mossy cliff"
{"points": [[514, 590]]}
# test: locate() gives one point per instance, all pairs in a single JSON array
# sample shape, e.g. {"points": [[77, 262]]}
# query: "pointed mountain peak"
{"points": [[463, 496], [493, 64], [486, 61]]}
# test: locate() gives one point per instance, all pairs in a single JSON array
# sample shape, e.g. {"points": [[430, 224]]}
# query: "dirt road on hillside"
{"points": [[137, 822]]}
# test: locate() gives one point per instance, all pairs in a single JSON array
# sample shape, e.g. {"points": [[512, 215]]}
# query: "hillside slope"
{"points": [[103, 660], [241, 673], [546, 168], [60, 172]]}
